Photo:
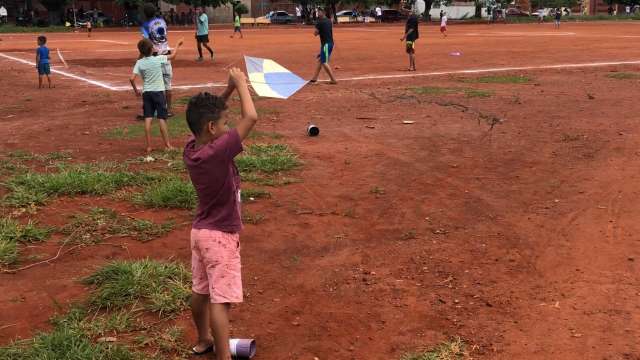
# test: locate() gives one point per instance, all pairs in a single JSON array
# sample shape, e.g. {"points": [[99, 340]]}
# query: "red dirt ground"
{"points": [[526, 240]]}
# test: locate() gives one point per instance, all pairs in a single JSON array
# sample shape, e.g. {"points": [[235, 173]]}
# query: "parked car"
{"points": [[516, 12], [281, 17], [349, 13], [391, 15], [103, 18]]}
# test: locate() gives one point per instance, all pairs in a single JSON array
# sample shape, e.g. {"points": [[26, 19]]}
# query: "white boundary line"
{"points": [[63, 73], [357, 78]]}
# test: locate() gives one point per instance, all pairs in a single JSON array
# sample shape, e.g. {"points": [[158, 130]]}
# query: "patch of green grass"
{"points": [[499, 79], [473, 93], [268, 180], [162, 287], [36, 188], [12, 233], [248, 194], [451, 350], [252, 218], [470, 93], [623, 75], [98, 224], [255, 135], [22, 155], [267, 158], [184, 100], [171, 192], [10, 28], [67, 340], [433, 90], [177, 127]]}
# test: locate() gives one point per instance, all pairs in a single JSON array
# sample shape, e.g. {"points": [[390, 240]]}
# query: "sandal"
{"points": [[205, 351]]}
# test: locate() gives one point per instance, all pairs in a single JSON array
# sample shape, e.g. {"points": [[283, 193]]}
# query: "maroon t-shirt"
{"points": [[217, 182]]}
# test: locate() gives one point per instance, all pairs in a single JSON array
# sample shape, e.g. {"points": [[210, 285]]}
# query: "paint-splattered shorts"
{"points": [[215, 265]]}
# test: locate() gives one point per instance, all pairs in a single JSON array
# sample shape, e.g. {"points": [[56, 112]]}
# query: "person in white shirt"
{"points": [[443, 25], [3, 15], [298, 13], [378, 13]]}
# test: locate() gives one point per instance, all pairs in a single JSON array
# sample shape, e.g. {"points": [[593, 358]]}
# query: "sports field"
{"points": [[489, 197]]}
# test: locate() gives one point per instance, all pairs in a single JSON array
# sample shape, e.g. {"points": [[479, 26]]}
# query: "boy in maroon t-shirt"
{"points": [[215, 240]]}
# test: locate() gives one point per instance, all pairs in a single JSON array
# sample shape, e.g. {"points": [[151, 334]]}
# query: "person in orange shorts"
{"points": [[215, 240]]}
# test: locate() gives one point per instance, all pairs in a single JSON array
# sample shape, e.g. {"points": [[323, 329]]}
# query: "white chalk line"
{"points": [[358, 78], [63, 73]]}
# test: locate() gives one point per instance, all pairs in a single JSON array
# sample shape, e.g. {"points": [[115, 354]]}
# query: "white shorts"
{"points": [[167, 75]]}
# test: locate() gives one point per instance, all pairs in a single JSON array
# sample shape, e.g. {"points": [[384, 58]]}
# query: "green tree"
{"points": [[239, 8], [54, 8]]}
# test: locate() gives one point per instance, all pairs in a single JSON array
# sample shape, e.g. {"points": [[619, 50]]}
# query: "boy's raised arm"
{"points": [[175, 51], [249, 114]]}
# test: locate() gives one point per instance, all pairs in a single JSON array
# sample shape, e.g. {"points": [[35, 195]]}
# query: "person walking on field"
{"points": [[443, 25], [237, 26], [324, 29], [558, 18], [411, 35], [202, 33]]}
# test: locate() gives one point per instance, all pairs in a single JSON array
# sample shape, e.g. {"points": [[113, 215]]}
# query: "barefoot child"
{"points": [[89, 26], [215, 239], [411, 35], [443, 25], [202, 33], [149, 68], [324, 29], [42, 61]]}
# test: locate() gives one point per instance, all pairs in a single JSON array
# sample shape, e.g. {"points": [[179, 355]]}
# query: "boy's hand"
{"points": [[238, 77]]}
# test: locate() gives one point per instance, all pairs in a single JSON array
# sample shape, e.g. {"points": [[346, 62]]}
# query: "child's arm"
{"points": [[175, 52], [132, 80], [226, 94], [407, 34], [37, 58], [249, 115]]}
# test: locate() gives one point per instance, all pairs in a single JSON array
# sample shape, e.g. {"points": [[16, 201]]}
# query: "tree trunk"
{"points": [[427, 10], [478, 13]]}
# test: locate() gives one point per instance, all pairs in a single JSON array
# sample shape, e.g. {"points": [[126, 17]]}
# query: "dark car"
{"points": [[516, 12], [281, 17], [103, 18], [391, 15]]}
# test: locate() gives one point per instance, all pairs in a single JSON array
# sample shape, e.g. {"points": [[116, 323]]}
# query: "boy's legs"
{"points": [[165, 133], [199, 48], [206, 45], [327, 68], [160, 104], [200, 311], [147, 132], [40, 81], [49, 80], [220, 326]]}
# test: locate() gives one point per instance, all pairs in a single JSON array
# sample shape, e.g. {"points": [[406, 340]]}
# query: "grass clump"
{"points": [[172, 192], [474, 93], [268, 180], [499, 79], [434, 91], [67, 340], [36, 188], [252, 218], [177, 127], [248, 194], [160, 287], [267, 158], [99, 224], [451, 350], [12, 234], [623, 75]]}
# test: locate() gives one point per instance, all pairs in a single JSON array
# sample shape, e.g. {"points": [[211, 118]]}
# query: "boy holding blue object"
{"points": [[42, 61]]}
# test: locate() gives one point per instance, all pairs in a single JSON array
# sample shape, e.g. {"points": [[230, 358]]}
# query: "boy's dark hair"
{"points": [[149, 11], [202, 109], [42, 39], [145, 46]]}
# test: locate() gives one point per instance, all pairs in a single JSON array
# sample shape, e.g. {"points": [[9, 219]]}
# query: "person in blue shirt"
{"points": [[202, 33], [42, 61]]}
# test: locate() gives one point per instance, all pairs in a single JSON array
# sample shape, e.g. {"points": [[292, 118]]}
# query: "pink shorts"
{"points": [[215, 265]]}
